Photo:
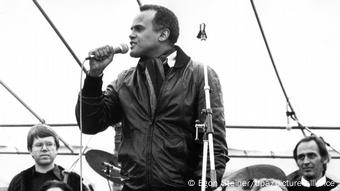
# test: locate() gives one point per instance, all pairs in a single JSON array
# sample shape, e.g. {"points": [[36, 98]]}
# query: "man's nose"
{"points": [[44, 147], [132, 35], [306, 160]]}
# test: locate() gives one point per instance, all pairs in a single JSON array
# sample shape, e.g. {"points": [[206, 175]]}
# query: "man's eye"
{"points": [[138, 28], [311, 155], [301, 157]]}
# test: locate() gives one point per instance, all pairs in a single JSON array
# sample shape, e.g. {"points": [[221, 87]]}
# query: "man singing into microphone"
{"points": [[158, 102]]}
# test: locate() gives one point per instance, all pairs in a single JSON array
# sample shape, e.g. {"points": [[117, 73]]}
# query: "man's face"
{"points": [[144, 40], [309, 160], [44, 150]]}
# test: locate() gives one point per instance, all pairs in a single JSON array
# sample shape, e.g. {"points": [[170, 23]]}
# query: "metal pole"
{"points": [[22, 102]]}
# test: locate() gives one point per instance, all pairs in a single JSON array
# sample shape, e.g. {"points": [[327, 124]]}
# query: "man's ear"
{"points": [[30, 152], [164, 35], [325, 160]]}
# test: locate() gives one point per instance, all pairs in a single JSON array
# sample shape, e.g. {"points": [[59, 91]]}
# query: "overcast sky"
{"points": [[303, 36]]}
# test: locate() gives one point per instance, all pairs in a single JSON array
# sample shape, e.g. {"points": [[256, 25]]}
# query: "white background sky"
{"points": [[303, 36]]}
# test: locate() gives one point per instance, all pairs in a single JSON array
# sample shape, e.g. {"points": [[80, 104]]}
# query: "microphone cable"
{"points": [[81, 125]]}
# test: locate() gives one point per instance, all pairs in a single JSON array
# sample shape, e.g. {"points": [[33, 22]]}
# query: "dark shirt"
{"points": [[30, 180], [38, 179]]}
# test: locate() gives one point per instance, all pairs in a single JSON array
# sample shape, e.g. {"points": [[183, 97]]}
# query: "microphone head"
{"points": [[124, 48]]}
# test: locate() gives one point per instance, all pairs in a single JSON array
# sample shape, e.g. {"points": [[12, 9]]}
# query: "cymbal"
{"points": [[105, 164]]}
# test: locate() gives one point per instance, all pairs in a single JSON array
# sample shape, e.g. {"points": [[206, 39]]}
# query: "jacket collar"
{"points": [[182, 60]]}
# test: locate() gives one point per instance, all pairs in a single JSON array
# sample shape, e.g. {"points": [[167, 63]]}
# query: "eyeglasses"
{"points": [[40, 145]]}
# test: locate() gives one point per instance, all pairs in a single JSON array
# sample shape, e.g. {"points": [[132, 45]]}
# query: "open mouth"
{"points": [[132, 44]]}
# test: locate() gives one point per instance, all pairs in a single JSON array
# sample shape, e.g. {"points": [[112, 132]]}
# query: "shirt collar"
{"points": [[318, 183], [172, 59]]}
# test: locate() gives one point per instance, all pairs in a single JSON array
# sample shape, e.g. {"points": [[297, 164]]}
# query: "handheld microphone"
{"points": [[121, 49]]}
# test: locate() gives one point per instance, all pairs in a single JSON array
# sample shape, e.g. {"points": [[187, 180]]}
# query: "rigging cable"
{"points": [[290, 113], [139, 3]]}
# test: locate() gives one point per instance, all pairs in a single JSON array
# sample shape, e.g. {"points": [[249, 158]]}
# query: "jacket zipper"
{"points": [[149, 155], [150, 135]]}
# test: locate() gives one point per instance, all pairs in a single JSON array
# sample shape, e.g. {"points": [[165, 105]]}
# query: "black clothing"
{"points": [[158, 150], [30, 180], [39, 179]]}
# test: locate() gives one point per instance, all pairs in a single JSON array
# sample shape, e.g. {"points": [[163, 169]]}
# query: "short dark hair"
{"points": [[321, 145], [55, 184], [164, 18], [41, 131]]}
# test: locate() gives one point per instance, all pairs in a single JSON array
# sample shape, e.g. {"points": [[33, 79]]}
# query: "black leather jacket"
{"points": [[158, 150]]}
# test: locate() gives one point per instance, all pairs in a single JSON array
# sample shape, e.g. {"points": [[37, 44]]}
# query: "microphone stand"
{"points": [[207, 127]]}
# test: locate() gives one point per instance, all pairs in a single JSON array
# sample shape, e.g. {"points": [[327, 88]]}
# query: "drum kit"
{"points": [[106, 165]]}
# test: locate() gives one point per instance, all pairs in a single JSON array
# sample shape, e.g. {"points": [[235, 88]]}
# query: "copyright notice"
{"points": [[200, 183]]}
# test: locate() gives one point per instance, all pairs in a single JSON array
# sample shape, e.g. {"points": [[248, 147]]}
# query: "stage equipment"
{"points": [[139, 3], [59, 35], [42, 121], [22, 102], [207, 126], [105, 164], [290, 113]]}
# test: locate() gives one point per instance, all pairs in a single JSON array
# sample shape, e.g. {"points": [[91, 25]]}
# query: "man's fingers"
{"points": [[102, 52]]}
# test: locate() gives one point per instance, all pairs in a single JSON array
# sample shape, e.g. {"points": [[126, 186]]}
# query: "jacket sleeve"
{"points": [[99, 109], [218, 123]]}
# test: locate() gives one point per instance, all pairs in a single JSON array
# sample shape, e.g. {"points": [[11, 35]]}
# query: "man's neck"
{"points": [[44, 169], [162, 50]]}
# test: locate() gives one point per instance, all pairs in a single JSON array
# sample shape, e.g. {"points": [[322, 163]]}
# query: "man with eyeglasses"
{"points": [[43, 145]]}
